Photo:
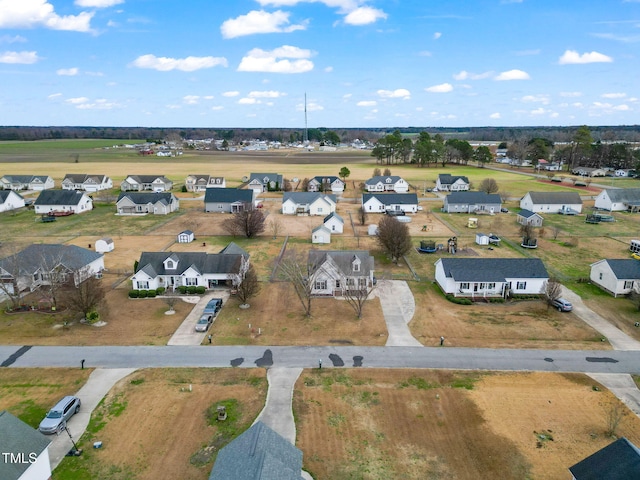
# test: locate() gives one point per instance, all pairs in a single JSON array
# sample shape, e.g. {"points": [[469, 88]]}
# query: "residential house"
{"points": [[551, 202], [86, 182], [618, 199], [186, 236], [266, 182], [383, 202], [258, 453], [386, 183], [26, 182], [200, 183], [619, 460], [472, 202], [191, 269], [589, 172], [624, 172], [527, 217], [308, 203], [39, 263], [325, 184], [491, 277], [50, 201], [619, 276], [25, 451], [142, 203], [10, 200], [321, 234], [228, 200], [334, 271], [452, 183], [104, 245], [139, 183], [334, 223]]}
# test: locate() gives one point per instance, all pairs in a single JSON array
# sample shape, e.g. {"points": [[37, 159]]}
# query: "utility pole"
{"points": [[306, 132]]}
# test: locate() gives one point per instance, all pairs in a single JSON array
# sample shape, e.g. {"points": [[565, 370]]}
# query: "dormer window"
{"points": [[171, 263], [388, 180], [355, 264]]}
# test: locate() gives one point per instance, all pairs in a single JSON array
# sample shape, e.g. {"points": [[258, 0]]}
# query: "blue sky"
{"points": [[362, 63]]}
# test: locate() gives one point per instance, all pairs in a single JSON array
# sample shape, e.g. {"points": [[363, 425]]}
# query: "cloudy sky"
{"points": [[361, 63]]}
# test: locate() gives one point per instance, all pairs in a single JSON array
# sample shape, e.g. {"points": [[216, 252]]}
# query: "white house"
{"points": [[616, 276], [200, 183], [62, 201], [527, 217], [335, 271], [10, 200], [139, 183], [26, 182], [86, 182], [266, 182], [491, 277], [623, 172], [551, 202], [452, 183], [325, 183], [472, 202], [25, 451], [589, 172], [321, 234], [386, 183], [136, 203], [104, 245], [618, 199], [334, 223], [174, 269], [308, 203], [186, 236], [383, 202]]}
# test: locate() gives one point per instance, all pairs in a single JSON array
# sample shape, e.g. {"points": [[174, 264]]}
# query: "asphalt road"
{"points": [[608, 361]]}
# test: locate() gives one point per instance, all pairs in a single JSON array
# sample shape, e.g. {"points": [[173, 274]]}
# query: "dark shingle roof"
{"points": [[83, 177], [555, 198], [333, 215], [148, 178], [619, 460], [472, 198], [272, 177], [625, 268], [306, 197], [4, 194], [18, 437], [383, 179], [343, 260], [59, 197], [228, 195], [448, 179], [25, 178], [392, 198], [38, 255], [492, 269], [259, 453], [624, 195], [143, 198], [326, 178], [527, 213], [234, 249], [201, 261]]}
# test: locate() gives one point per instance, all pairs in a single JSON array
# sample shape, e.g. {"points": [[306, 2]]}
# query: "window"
{"points": [[191, 282], [483, 286], [170, 264], [600, 276], [362, 282], [464, 286], [321, 285], [337, 283], [491, 286], [143, 285], [350, 282], [521, 285], [628, 284]]}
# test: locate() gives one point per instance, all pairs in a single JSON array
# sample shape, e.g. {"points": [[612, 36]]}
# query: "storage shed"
{"points": [[105, 245], [186, 236], [482, 239], [321, 234]]}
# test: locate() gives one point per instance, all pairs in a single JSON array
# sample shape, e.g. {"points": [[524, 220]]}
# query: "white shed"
{"points": [[186, 236], [372, 230], [321, 234], [105, 245], [482, 239]]}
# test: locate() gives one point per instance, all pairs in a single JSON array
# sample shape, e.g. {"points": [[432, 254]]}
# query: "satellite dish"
{"points": [[295, 179], [245, 179]]}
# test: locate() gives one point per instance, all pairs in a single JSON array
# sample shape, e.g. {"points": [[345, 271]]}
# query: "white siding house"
{"points": [[616, 276], [321, 234], [383, 202], [551, 202], [62, 201], [387, 183], [308, 203], [334, 223], [618, 199], [86, 182], [10, 200]]}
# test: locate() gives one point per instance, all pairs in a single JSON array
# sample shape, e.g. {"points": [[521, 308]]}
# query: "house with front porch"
{"points": [[86, 182], [333, 271], [228, 200], [386, 183], [51, 201], [472, 202], [491, 277], [191, 269], [266, 182], [200, 183], [325, 184], [26, 182], [384, 202], [618, 276], [452, 183], [618, 199], [139, 183], [142, 203], [308, 203]]}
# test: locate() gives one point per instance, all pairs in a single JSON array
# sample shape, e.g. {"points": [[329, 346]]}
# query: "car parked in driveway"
{"points": [[213, 306], [562, 304], [56, 419], [205, 321]]}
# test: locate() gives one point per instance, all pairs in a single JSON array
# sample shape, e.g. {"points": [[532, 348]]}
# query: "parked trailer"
{"points": [[634, 246]]}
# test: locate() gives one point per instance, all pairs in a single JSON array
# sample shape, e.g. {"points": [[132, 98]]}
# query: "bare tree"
{"points": [[393, 237], [555, 231], [248, 222], [170, 299], [297, 270], [87, 297], [275, 226], [387, 172], [489, 185], [551, 290], [249, 287], [357, 295], [10, 272], [54, 277], [615, 413], [377, 172], [304, 186], [362, 215]]}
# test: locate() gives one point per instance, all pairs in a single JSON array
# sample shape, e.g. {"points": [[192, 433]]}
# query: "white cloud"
{"points": [[233, 93], [367, 103], [191, 99], [437, 35], [544, 99], [247, 101], [188, 64], [69, 72], [25, 58], [217, 107], [94, 74], [99, 104], [538, 111], [259, 21], [54, 95], [464, 75], [311, 107], [266, 94], [277, 60], [77, 100], [12, 39], [572, 57], [35, 13], [98, 3], [495, 116], [208, 97], [513, 75], [398, 93], [571, 94], [328, 69], [364, 16], [614, 95], [442, 88]]}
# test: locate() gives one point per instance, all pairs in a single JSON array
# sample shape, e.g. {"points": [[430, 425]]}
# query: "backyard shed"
{"points": [[105, 245], [186, 236]]}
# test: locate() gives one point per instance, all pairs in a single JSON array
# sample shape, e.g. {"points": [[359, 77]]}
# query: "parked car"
{"points": [[504, 210], [56, 419], [395, 213], [213, 306], [205, 321], [562, 304]]}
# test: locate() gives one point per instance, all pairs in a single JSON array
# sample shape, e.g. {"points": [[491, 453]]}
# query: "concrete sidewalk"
{"points": [[398, 308]]}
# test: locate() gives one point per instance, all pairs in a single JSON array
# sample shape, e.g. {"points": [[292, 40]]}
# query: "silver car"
{"points": [[204, 323], [56, 419]]}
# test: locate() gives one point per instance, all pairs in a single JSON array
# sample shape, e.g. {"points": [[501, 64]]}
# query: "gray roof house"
{"points": [[10, 200], [141, 203], [472, 202], [26, 182], [138, 183], [491, 277], [618, 276], [527, 217], [86, 182], [325, 183], [200, 183], [452, 183], [28, 450], [31, 267], [386, 183], [551, 202], [228, 200], [263, 182], [383, 202], [333, 271], [62, 201], [174, 269], [258, 453], [308, 203], [619, 199], [619, 460]]}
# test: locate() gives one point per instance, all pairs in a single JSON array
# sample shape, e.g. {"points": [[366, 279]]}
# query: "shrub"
{"points": [[160, 290], [93, 317], [142, 294], [200, 290], [134, 294], [183, 189], [182, 289], [151, 294], [457, 300], [191, 290]]}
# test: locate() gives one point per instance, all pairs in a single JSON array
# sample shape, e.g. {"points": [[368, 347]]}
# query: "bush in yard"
{"points": [[191, 290], [182, 289], [151, 294], [160, 290], [142, 294], [133, 294], [200, 290], [459, 300]]}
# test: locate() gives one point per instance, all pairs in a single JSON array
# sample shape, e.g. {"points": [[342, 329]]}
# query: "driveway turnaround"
{"points": [[398, 307], [186, 333]]}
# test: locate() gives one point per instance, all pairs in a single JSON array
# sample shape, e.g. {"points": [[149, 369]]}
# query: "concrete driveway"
{"points": [[186, 333], [398, 308]]}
